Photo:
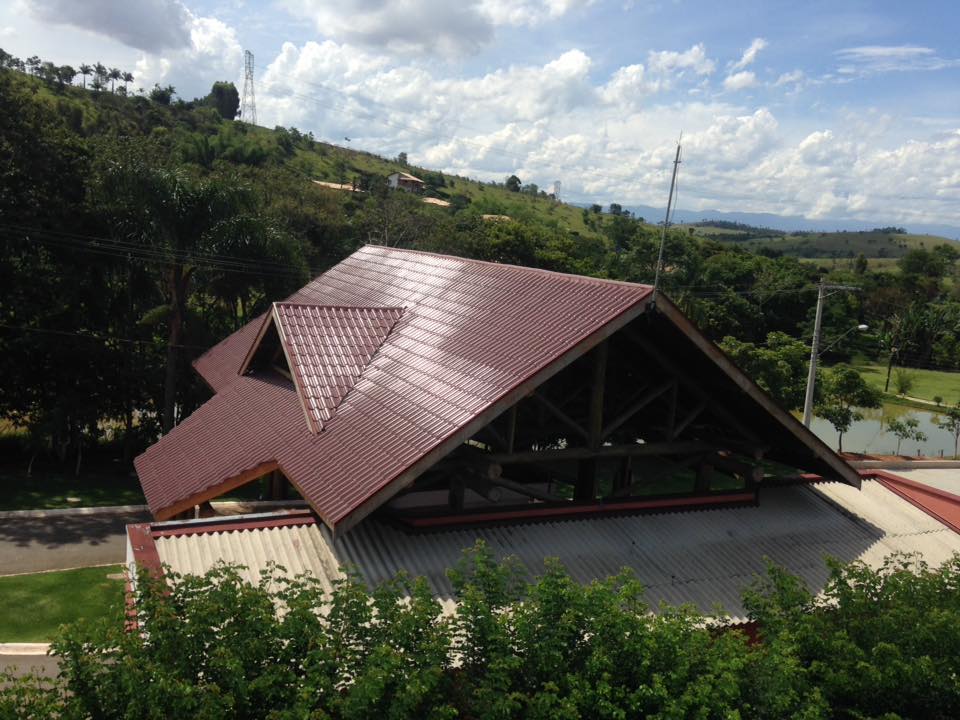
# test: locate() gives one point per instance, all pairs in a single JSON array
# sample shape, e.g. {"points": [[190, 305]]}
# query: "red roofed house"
{"points": [[403, 392]]}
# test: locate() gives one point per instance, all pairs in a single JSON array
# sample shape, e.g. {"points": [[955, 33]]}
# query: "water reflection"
{"points": [[870, 435]]}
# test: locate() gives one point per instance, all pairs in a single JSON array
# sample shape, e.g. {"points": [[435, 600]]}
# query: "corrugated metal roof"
{"points": [[704, 558], [472, 333], [328, 349]]}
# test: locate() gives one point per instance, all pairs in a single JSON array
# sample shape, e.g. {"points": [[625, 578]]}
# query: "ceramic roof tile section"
{"points": [[328, 349], [471, 333]]}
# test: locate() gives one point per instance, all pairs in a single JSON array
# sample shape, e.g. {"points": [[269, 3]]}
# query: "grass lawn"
{"points": [[49, 488], [926, 383], [33, 606]]}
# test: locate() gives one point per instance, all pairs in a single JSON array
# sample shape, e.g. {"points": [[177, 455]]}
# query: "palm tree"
{"points": [[114, 75], [127, 78], [184, 220], [85, 70], [101, 73]]}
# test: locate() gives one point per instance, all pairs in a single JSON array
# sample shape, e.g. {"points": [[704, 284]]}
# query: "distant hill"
{"points": [[787, 223]]}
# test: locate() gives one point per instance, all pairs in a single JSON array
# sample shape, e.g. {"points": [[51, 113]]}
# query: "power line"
{"points": [[100, 337]]}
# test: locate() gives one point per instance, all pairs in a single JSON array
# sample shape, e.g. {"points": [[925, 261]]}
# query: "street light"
{"points": [[814, 356]]}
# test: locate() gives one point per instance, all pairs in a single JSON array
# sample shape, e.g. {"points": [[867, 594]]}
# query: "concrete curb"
{"points": [[128, 509], [24, 648], [68, 512]]}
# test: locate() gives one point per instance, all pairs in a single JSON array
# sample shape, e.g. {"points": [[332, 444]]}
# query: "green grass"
{"points": [[926, 383], [49, 489], [33, 606]]}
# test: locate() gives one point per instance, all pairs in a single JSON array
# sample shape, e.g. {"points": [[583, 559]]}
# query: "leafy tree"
{"points": [[779, 366], [225, 99], [906, 429], [596, 209], [513, 183], [842, 392], [185, 221], [616, 208], [162, 95], [860, 265], [65, 75], [951, 423], [402, 159]]}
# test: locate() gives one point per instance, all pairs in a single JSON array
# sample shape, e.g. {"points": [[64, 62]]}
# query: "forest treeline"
{"points": [[138, 230]]}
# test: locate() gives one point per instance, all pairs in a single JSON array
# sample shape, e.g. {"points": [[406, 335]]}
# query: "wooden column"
{"points": [[586, 487]]}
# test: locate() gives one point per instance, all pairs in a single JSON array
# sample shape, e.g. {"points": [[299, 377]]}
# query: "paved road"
{"points": [[66, 541], [19, 665]]}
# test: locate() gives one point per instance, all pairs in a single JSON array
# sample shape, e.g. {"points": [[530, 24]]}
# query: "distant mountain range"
{"points": [[787, 223]]}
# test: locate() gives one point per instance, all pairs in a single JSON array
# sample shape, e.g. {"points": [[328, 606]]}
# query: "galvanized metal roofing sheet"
{"points": [[705, 558], [328, 348], [471, 332]]}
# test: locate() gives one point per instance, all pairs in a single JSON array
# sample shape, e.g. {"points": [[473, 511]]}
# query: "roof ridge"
{"points": [[401, 308], [572, 277]]}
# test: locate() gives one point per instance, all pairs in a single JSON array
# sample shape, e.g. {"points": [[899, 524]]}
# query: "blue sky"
{"points": [[831, 110]]}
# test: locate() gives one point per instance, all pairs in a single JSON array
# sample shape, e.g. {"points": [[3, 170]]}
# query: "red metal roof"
{"points": [[328, 349], [472, 335]]}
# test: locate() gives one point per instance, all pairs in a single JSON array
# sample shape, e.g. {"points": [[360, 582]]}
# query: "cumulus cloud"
{"points": [[213, 52], [149, 25], [750, 54], [872, 59], [695, 59], [450, 28], [739, 81]]}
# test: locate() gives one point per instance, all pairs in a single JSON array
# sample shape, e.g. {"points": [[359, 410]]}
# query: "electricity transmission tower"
{"points": [[556, 191], [248, 106]]}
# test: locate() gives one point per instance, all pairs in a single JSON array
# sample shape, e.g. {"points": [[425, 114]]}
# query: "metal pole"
{"points": [[666, 222], [814, 352]]}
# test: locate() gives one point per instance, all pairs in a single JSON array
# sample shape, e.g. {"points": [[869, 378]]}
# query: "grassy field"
{"points": [[926, 383], [51, 489], [32, 607]]}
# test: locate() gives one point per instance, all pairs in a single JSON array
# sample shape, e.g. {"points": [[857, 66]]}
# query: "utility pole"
{"points": [[248, 106], [666, 222], [815, 348]]}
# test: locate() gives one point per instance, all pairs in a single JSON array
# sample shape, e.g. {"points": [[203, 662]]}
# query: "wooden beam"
{"points": [[818, 448], [585, 453], [597, 388], [672, 412], [217, 490], [648, 397], [561, 415], [511, 429], [526, 490], [688, 418], [671, 367]]}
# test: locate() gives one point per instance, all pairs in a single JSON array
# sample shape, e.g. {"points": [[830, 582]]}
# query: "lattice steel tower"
{"points": [[556, 190], [248, 106]]}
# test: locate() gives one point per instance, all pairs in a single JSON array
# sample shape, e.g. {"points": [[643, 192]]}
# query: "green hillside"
{"points": [[879, 244]]}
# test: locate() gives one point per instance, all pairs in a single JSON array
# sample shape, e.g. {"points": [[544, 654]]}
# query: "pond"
{"points": [[870, 435]]}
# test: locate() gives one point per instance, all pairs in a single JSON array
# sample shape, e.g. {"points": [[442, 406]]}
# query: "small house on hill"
{"points": [[405, 181]]}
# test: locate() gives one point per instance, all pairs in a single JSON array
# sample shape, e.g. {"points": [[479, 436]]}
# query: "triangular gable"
{"points": [[325, 350]]}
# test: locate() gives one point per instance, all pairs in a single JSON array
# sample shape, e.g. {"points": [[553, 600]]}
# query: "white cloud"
{"points": [[149, 25], [739, 81], [694, 59], [423, 26], [213, 53], [7, 31], [873, 59], [750, 54], [793, 77]]}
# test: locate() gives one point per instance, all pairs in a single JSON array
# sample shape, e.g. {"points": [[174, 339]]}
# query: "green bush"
{"points": [[876, 644]]}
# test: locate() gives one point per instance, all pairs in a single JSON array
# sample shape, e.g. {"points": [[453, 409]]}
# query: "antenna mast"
{"points": [[248, 107], [666, 223]]}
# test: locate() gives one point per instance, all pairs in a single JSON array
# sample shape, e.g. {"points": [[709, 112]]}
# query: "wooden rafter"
{"points": [[560, 415], [645, 399]]}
